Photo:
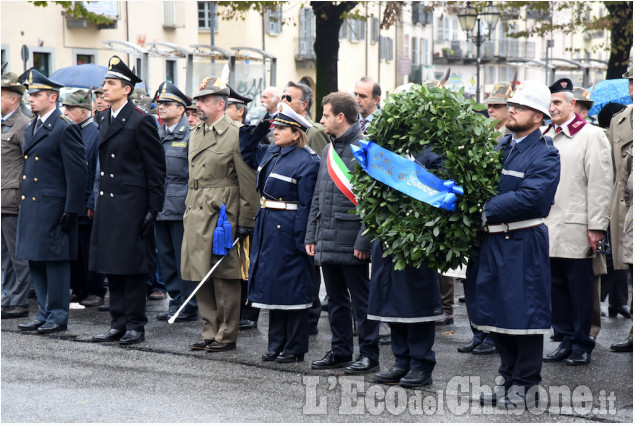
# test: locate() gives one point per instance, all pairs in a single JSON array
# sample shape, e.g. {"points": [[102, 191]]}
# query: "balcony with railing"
{"points": [[491, 51], [304, 52]]}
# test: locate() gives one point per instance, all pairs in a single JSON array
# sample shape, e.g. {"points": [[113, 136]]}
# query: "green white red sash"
{"points": [[340, 174]]}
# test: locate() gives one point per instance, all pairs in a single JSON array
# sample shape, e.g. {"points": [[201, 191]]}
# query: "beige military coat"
{"points": [[621, 138], [627, 195], [316, 138], [218, 175], [583, 198], [12, 161]]}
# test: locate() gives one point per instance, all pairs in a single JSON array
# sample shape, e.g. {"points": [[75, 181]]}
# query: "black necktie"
{"points": [[38, 124]]}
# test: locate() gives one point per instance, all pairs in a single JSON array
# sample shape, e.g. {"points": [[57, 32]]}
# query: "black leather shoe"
{"points": [[469, 347], [49, 328], [245, 325], [578, 358], [289, 358], [556, 338], [182, 317], [625, 346], [416, 379], [132, 337], [331, 361], [110, 336], [269, 356], [31, 326], [557, 356], [104, 307], [216, 346], [324, 305], [484, 348], [15, 312], [489, 399], [390, 377], [361, 366], [622, 309], [165, 316], [200, 345]]}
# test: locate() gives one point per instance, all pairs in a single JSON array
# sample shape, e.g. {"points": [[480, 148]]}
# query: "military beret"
{"points": [[10, 82], [78, 98], [563, 84], [117, 69], [212, 86]]}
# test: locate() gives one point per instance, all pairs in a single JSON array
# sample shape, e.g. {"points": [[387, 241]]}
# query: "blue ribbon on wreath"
{"points": [[406, 176]]}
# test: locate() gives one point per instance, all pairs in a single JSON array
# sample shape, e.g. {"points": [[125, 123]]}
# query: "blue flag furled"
{"points": [[406, 176], [222, 241]]}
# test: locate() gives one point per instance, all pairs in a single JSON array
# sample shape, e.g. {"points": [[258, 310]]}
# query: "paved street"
{"points": [[66, 378]]}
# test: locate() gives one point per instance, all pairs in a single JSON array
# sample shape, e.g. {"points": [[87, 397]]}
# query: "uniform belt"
{"points": [[278, 205], [515, 225], [195, 184]]}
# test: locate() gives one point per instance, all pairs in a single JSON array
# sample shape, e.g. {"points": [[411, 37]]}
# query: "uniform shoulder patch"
{"points": [[65, 118], [141, 109]]}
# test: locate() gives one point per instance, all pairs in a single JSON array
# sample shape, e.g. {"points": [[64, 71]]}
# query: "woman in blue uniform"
{"points": [[280, 271]]}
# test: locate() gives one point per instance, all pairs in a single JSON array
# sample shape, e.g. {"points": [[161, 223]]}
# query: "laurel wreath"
{"points": [[414, 232]]}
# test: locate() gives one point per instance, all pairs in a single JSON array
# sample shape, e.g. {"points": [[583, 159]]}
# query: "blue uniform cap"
{"points": [[170, 93], [36, 82]]}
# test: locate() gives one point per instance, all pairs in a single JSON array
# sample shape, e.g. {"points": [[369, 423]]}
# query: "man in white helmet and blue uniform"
{"points": [[508, 285]]}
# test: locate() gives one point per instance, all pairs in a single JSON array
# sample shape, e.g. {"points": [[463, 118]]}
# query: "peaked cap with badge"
{"points": [[562, 85], [287, 117], [212, 86], [499, 95], [10, 82], [170, 93], [117, 69], [235, 97], [78, 98], [36, 82]]}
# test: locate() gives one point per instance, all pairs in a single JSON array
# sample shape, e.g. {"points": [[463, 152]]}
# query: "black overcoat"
{"points": [[131, 183]]}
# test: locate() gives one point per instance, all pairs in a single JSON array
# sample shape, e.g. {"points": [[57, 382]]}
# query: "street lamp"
{"points": [[467, 19]]}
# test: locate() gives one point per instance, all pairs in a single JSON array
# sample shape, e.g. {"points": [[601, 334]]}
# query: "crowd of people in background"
{"points": [[140, 197]]}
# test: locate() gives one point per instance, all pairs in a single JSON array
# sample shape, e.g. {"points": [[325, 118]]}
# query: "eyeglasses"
{"points": [[287, 97], [518, 108]]}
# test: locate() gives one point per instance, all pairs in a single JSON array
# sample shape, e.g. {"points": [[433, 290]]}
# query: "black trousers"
{"points": [[343, 283], [615, 285], [128, 301], [316, 309], [572, 295], [289, 331], [412, 345], [85, 282], [521, 358]]}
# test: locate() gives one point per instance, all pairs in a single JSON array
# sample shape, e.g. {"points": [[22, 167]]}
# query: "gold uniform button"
{"points": [[33, 199], [506, 236], [23, 197], [35, 179], [37, 159], [26, 156], [278, 226], [23, 177], [280, 199]]}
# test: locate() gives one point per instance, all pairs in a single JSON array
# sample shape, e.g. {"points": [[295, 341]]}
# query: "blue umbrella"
{"points": [[609, 91], [82, 76]]}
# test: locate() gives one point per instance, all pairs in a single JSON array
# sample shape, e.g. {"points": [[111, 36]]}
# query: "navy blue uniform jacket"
{"points": [[175, 146], [131, 183], [280, 271], [508, 286], [54, 181]]}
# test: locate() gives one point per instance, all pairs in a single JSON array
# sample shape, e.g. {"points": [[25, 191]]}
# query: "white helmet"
{"points": [[534, 94]]}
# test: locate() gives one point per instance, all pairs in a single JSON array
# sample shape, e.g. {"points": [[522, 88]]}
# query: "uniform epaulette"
{"points": [[141, 109], [237, 124], [65, 118], [312, 152]]}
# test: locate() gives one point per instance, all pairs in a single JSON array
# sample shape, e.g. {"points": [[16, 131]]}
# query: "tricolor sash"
{"points": [[406, 176], [340, 174]]}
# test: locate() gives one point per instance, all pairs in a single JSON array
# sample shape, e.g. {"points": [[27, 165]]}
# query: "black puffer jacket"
{"points": [[334, 230]]}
